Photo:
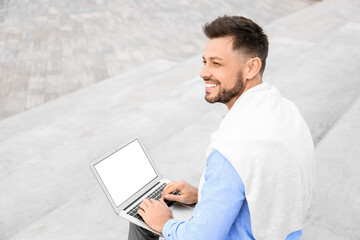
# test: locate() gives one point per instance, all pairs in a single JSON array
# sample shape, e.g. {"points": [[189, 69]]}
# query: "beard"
{"points": [[225, 95]]}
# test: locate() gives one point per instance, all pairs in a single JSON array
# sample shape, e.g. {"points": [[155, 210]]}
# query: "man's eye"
{"points": [[204, 62], [216, 63]]}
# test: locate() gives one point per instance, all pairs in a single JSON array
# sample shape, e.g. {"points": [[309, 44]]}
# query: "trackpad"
{"points": [[182, 212]]}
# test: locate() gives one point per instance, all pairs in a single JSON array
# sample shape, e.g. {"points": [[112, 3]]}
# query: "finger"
{"points": [[173, 184], [167, 186], [162, 201], [170, 190], [172, 197], [144, 204], [141, 212]]}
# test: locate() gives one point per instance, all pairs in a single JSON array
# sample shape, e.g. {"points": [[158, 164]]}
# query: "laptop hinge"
{"points": [[140, 196]]}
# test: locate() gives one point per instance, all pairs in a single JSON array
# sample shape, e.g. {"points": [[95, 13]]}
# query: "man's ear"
{"points": [[253, 66]]}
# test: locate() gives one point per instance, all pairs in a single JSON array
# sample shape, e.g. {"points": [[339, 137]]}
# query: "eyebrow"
{"points": [[215, 58]]}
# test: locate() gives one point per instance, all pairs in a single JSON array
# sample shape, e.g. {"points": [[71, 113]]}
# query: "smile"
{"points": [[208, 85]]}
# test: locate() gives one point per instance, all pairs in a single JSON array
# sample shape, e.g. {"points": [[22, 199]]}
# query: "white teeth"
{"points": [[210, 85]]}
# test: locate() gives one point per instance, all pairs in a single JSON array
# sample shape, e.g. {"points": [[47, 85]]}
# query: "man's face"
{"points": [[222, 72]]}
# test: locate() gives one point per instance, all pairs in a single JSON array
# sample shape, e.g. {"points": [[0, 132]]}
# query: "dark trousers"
{"points": [[139, 233]]}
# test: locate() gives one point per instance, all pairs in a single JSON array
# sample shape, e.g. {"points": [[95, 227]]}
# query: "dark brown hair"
{"points": [[248, 36]]}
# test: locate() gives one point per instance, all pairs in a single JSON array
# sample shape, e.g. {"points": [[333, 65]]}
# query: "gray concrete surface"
{"points": [[49, 48], [48, 191], [334, 213]]}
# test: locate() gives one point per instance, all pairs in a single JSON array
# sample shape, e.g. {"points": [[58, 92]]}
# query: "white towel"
{"points": [[269, 144]]}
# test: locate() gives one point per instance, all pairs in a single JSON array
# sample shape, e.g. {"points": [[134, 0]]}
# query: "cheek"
{"points": [[233, 76], [227, 79], [220, 75], [227, 75]]}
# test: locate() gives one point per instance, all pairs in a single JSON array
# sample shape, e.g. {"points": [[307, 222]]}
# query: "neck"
{"points": [[250, 83]]}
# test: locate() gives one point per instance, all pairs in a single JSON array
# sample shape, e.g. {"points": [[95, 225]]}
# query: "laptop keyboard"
{"points": [[153, 195]]}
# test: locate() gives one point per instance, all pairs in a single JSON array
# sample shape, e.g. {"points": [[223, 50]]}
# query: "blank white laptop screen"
{"points": [[125, 172]]}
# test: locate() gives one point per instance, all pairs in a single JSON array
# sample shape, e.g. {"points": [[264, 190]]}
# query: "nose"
{"points": [[205, 73]]}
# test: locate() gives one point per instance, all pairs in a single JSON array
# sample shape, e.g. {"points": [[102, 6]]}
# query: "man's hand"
{"points": [[188, 193], [155, 213]]}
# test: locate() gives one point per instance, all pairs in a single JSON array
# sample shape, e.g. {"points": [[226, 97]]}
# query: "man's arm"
{"points": [[222, 197]]}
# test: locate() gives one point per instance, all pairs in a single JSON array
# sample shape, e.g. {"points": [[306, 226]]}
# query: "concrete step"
{"points": [[28, 121], [317, 21], [89, 214], [63, 119], [334, 213], [321, 80]]}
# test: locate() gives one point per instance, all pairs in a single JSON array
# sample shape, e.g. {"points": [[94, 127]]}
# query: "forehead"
{"points": [[221, 48]]}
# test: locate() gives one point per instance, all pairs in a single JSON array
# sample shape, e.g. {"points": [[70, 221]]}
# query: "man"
{"points": [[260, 162]]}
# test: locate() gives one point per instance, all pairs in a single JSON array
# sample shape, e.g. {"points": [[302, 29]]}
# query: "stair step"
{"points": [[327, 74], [57, 108], [334, 212], [59, 121], [317, 21], [89, 205]]}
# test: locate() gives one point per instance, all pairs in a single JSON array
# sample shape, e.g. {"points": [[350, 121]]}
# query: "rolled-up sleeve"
{"points": [[222, 197]]}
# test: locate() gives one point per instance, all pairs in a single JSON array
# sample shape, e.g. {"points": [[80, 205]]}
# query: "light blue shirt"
{"points": [[222, 212]]}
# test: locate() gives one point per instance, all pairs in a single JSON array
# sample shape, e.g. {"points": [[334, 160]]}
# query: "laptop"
{"points": [[127, 175]]}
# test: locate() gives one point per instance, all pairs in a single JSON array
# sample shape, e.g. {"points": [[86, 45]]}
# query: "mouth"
{"points": [[210, 86]]}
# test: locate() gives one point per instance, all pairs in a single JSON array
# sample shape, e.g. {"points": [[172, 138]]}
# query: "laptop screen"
{"points": [[125, 172]]}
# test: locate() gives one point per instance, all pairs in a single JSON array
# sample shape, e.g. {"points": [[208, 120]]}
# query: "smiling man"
{"points": [[223, 71], [260, 161]]}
